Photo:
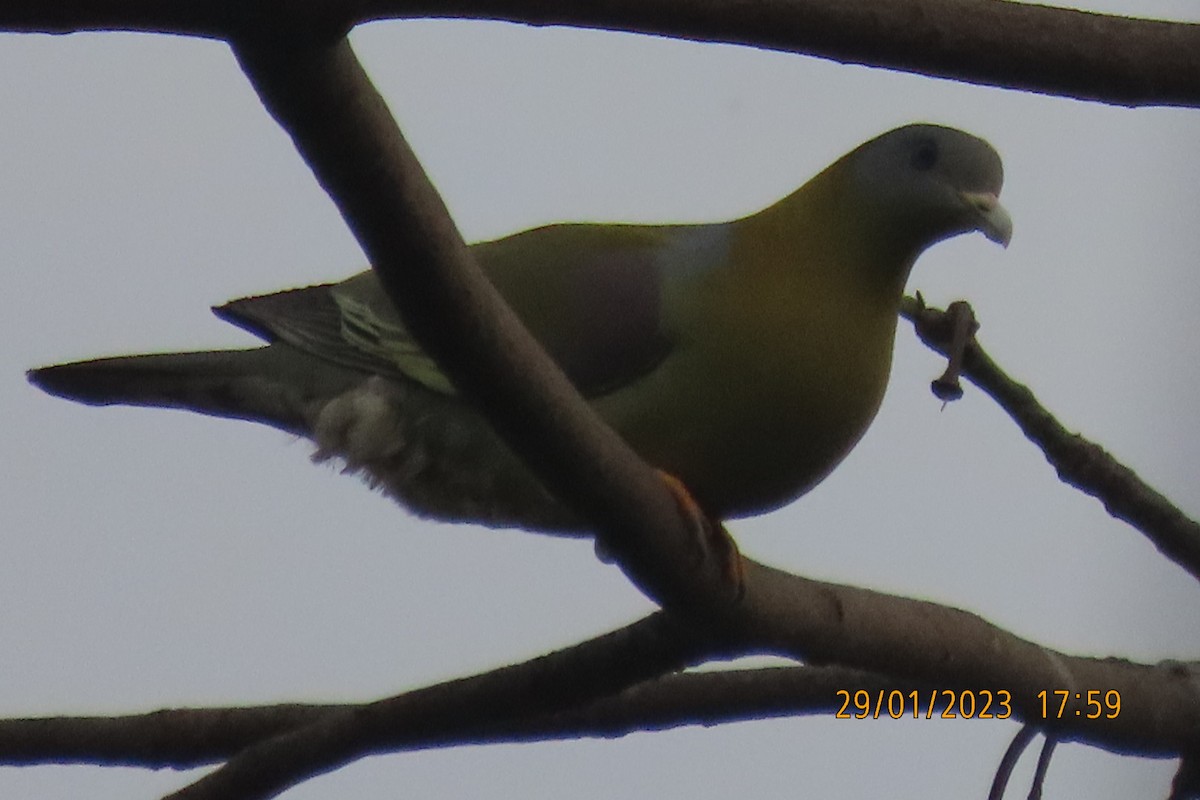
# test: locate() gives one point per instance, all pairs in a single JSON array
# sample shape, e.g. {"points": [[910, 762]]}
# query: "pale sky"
{"points": [[157, 558]]}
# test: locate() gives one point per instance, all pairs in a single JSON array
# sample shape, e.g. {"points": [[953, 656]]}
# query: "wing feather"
{"points": [[591, 295]]}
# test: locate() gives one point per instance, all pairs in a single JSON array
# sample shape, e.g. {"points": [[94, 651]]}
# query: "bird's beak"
{"points": [[994, 221]]}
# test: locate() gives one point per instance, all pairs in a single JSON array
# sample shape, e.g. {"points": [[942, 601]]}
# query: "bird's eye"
{"points": [[926, 155]]}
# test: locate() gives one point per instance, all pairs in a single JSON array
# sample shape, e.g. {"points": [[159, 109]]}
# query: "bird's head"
{"points": [[923, 183]]}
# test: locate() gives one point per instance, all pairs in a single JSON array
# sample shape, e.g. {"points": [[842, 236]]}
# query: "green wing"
{"points": [[591, 294]]}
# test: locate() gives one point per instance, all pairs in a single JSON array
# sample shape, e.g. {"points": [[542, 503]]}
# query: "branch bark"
{"points": [[1088, 56], [650, 647], [185, 738], [275, 746]]}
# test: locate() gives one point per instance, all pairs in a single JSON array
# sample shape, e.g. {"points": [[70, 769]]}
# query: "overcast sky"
{"points": [[156, 558]]}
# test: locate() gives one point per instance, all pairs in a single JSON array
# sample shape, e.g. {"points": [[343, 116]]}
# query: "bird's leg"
{"points": [[711, 534], [962, 332], [951, 332]]}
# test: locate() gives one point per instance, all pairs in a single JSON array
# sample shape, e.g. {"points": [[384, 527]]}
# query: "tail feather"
{"points": [[275, 385]]}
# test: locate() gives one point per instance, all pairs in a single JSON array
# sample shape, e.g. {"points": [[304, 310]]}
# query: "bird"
{"points": [[744, 359]]}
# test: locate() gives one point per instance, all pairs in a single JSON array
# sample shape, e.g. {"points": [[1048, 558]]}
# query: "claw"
{"points": [[711, 535]]}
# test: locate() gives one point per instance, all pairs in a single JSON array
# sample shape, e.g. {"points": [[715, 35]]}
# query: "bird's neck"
{"points": [[822, 239]]}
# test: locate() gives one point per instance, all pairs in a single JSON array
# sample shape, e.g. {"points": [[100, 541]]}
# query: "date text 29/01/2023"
{"points": [[971, 704]]}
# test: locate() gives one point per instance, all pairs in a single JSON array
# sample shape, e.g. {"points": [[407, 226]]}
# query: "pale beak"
{"points": [[994, 221]]}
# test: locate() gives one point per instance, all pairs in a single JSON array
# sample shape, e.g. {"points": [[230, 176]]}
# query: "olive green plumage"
{"points": [[745, 357]]}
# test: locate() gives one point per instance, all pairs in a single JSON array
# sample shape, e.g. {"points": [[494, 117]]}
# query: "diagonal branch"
{"points": [[650, 647], [1078, 461], [190, 737], [1036, 48], [915, 643], [320, 94], [285, 743]]}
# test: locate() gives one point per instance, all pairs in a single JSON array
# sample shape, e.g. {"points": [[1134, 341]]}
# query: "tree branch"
{"points": [[190, 737], [1058, 51], [916, 640], [1088, 56], [320, 94], [506, 705], [648, 648], [1078, 461]]}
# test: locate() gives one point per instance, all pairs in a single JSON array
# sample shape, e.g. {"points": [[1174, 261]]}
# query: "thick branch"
{"points": [[505, 706], [915, 640], [1048, 50], [1036, 48], [1079, 462], [320, 94]]}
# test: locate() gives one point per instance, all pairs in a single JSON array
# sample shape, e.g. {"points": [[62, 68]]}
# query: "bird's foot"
{"points": [[711, 536], [953, 333]]}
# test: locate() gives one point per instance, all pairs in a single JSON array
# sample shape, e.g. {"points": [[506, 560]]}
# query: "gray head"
{"points": [[931, 182]]}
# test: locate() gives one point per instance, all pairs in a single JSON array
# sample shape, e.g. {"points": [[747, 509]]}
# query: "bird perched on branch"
{"points": [[744, 358]]}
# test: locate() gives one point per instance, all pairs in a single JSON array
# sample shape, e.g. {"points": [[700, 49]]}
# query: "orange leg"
{"points": [[711, 535]]}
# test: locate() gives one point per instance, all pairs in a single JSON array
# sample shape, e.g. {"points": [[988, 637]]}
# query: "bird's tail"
{"points": [[275, 385]]}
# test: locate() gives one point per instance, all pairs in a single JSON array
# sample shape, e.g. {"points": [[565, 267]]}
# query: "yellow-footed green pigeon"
{"points": [[745, 358]]}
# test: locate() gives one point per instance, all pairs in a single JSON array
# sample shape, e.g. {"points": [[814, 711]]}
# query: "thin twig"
{"points": [[1043, 765], [1011, 756], [1078, 461]]}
